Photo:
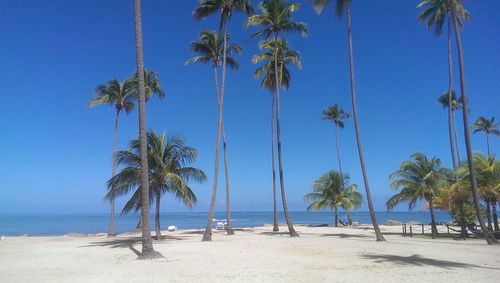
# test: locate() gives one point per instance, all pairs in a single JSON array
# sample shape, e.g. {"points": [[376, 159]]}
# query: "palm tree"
{"points": [[210, 48], [226, 8], [147, 243], [285, 56], [276, 18], [487, 126], [458, 18], [488, 181], [332, 191], [152, 85], [169, 159], [119, 96], [455, 105], [342, 5], [336, 114], [418, 179]]}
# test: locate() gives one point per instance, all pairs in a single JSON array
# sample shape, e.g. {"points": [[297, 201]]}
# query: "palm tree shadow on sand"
{"points": [[129, 243], [418, 260]]}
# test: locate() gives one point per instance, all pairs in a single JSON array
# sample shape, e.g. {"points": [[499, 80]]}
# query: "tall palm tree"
{"points": [[342, 5], [210, 48], [118, 95], [457, 17], [487, 126], [147, 243], [337, 115], [332, 191], [285, 57], [277, 53], [276, 19], [455, 106], [202, 11], [418, 179], [169, 172]]}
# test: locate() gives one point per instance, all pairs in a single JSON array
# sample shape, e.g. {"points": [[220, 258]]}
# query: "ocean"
{"points": [[60, 224]]}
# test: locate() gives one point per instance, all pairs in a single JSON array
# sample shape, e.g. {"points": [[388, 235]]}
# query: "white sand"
{"points": [[323, 254]]}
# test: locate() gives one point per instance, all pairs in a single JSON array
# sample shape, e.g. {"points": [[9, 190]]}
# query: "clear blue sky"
{"points": [[56, 153]]}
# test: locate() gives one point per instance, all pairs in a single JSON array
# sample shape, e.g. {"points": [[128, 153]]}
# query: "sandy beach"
{"points": [[321, 254]]}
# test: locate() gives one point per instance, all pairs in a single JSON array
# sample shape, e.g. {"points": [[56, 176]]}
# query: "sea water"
{"points": [[60, 224]]}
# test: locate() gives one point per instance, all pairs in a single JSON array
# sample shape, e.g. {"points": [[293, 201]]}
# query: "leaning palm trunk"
{"points": [[207, 235], [291, 230], [452, 130], [275, 205], [147, 243], [338, 154], [456, 136], [379, 235], [470, 159], [111, 230], [157, 217], [433, 220], [229, 227]]}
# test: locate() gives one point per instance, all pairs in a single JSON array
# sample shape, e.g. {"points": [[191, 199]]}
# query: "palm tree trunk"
{"points": [[349, 217], [291, 230], [379, 235], [335, 209], [470, 159], [207, 235], [433, 220], [450, 101], [157, 217], [147, 243], [495, 215], [338, 153], [459, 158], [275, 204], [111, 230], [229, 227], [452, 128], [488, 144], [463, 225], [488, 215]]}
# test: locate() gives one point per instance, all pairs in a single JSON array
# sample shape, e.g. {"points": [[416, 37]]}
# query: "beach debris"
{"points": [[220, 226], [172, 228]]}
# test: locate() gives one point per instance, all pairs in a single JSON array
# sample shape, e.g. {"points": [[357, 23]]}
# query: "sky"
{"points": [[56, 152]]}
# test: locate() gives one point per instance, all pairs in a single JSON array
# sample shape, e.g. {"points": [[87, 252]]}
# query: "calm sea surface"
{"points": [[60, 224]]}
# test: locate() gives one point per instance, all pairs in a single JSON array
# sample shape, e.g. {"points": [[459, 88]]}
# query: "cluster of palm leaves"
{"points": [[424, 179]]}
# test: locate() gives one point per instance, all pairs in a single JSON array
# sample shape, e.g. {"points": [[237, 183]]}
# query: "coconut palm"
{"points": [[455, 105], [487, 126], [277, 53], [332, 191], [285, 57], [341, 5], [417, 179], [458, 18], [147, 243], [169, 160], [488, 181], [337, 115], [210, 48], [202, 11], [118, 95], [276, 19]]}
